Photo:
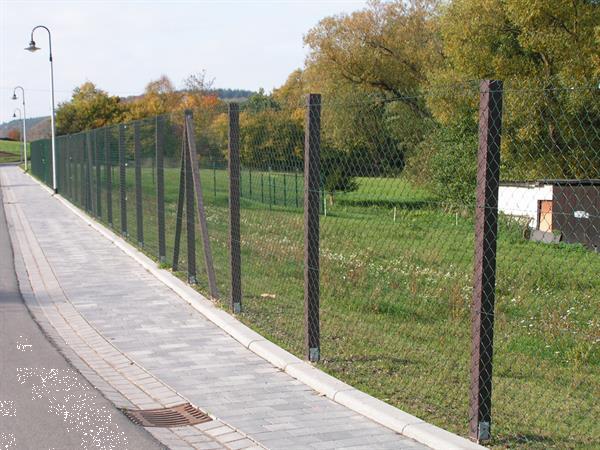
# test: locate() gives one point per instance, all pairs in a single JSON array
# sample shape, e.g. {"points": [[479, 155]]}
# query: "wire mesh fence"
{"points": [[440, 251]]}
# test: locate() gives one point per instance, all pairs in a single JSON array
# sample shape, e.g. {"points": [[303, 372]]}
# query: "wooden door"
{"points": [[545, 215]]}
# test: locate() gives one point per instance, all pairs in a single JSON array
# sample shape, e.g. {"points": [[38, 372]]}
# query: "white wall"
{"points": [[522, 201]]}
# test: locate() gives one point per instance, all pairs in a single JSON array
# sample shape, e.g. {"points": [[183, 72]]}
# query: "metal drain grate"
{"points": [[176, 416]]}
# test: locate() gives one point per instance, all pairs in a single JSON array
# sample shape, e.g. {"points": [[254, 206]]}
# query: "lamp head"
{"points": [[32, 48], [14, 97], [14, 115]]}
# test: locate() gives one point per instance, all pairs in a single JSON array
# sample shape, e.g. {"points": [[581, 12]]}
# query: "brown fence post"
{"points": [[122, 180], [234, 207], [312, 144], [83, 170], [160, 188], [189, 210], [139, 211], [98, 168], [180, 200], [108, 173], [88, 169], [484, 279], [197, 189]]}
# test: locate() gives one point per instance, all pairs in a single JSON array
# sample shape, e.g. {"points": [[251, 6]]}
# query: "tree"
{"points": [[88, 108], [271, 136], [14, 134], [546, 54], [160, 97], [370, 67], [386, 49]]}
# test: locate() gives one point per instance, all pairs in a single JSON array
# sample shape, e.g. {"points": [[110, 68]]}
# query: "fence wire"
{"points": [[457, 238]]}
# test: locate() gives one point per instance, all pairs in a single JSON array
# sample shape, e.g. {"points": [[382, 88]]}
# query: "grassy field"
{"points": [[10, 151], [396, 274]]}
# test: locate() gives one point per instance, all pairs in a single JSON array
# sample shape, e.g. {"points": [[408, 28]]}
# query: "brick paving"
{"points": [[112, 309]]}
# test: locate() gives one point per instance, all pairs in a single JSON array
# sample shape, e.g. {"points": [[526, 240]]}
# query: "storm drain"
{"points": [[176, 416]]}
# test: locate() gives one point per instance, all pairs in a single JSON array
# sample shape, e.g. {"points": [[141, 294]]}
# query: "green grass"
{"points": [[10, 151], [396, 274]]}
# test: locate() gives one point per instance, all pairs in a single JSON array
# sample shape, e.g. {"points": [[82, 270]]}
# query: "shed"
{"points": [[569, 208]]}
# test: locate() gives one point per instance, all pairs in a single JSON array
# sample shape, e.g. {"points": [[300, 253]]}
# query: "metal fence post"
{"points": [[296, 187], [274, 183], [180, 200], [98, 175], [312, 144], [88, 169], [82, 168], [122, 180], [60, 154], [197, 189], [214, 179], [160, 188], [484, 279], [234, 207], [189, 212], [108, 171], [75, 166], [68, 187], [270, 194], [139, 212], [284, 190]]}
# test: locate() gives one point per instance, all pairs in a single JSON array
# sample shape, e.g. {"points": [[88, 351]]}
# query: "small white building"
{"points": [[569, 210], [528, 200]]}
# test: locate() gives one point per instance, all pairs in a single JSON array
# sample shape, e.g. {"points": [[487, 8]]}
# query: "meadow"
{"points": [[11, 151], [396, 283]]}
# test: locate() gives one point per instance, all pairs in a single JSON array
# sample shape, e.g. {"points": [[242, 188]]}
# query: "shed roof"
{"points": [[553, 182]]}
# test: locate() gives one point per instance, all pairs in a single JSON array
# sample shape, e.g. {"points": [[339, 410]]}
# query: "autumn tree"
{"points": [[370, 66], [271, 135], [547, 55], [160, 97], [14, 134], [88, 108]]}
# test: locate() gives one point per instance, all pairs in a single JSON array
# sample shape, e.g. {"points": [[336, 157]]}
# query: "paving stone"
{"points": [[109, 295]]}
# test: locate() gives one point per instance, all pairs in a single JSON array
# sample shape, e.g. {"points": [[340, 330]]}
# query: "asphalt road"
{"points": [[44, 402]]}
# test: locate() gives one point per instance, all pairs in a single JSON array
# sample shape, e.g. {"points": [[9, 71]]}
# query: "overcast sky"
{"points": [[121, 45]]}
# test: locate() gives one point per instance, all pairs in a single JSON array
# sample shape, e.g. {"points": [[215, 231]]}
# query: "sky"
{"points": [[122, 45]]}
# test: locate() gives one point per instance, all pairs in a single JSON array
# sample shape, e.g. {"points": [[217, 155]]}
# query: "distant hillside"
{"points": [[233, 94], [229, 95], [37, 127]]}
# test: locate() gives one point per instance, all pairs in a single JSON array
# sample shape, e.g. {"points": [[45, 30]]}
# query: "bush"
{"points": [[450, 156]]}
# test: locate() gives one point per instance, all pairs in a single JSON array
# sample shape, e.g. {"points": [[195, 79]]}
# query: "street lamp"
{"points": [[32, 48], [20, 116], [14, 97]]}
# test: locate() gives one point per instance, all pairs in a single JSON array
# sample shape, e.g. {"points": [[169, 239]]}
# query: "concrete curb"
{"points": [[338, 391]]}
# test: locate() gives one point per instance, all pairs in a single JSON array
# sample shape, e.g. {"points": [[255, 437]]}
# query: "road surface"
{"points": [[44, 402]]}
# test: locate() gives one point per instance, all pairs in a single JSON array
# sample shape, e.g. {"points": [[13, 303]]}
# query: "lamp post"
{"points": [[14, 97], [32, 48], [20, 116]]}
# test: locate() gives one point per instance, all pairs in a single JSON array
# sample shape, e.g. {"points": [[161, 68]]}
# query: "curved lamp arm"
{"points": [[14, 97], [32, 47]]}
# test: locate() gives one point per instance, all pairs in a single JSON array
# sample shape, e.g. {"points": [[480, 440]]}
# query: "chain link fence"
{"points": [[440, 251]]}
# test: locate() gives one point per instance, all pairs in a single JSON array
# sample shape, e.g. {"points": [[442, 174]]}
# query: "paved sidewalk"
{"points": [[44, 403], [132, 315]]}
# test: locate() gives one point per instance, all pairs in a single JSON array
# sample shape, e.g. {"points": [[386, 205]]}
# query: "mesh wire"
{"points": [[406, 304]]}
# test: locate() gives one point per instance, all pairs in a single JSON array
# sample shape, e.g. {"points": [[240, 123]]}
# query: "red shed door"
{"points": [[545, 215]]}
